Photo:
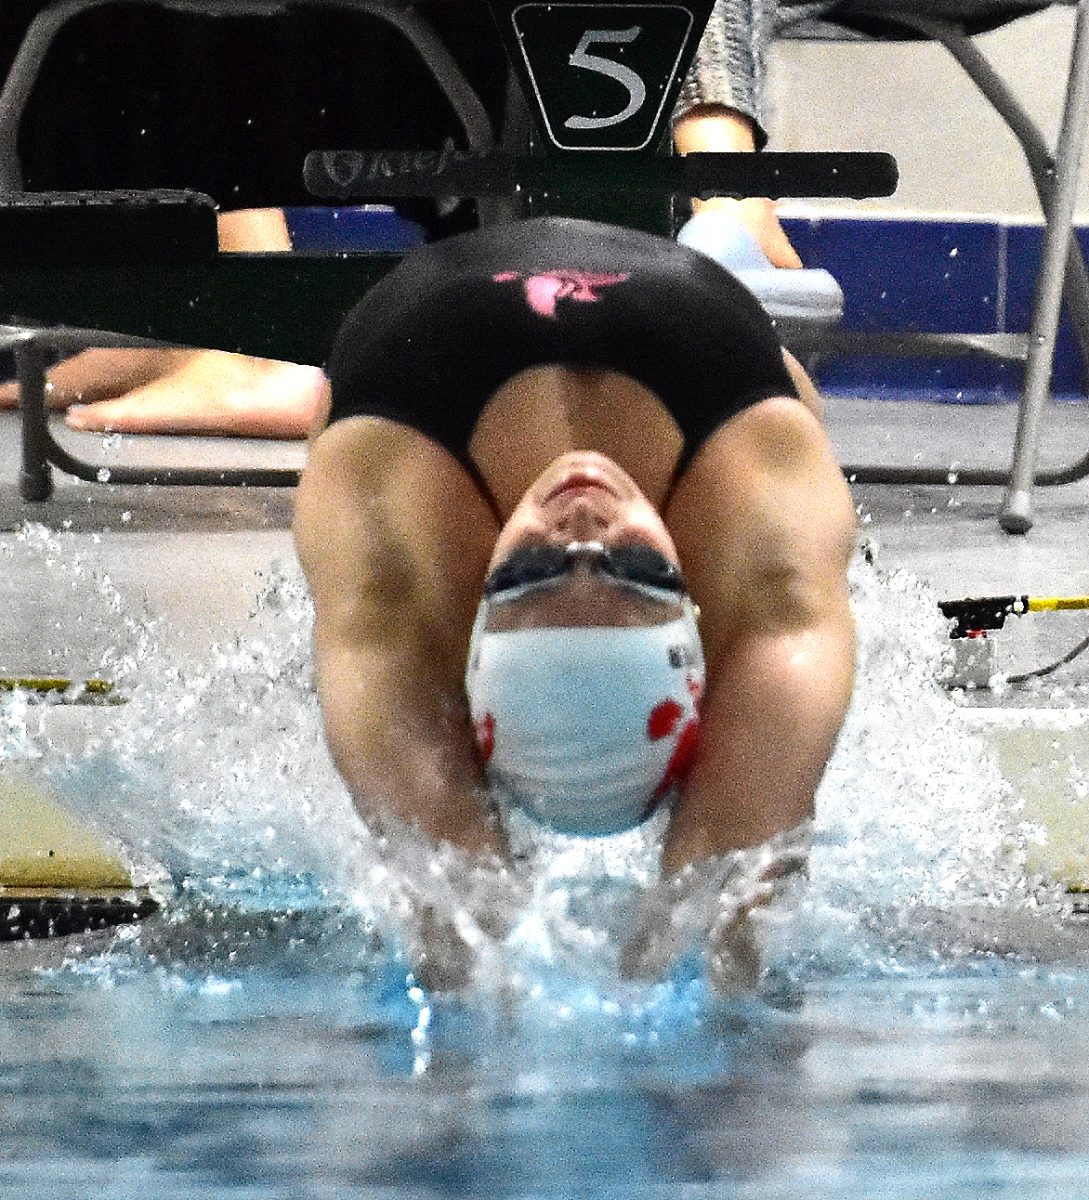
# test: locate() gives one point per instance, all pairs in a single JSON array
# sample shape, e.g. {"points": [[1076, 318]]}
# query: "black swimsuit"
{"points": [[433, 341]]}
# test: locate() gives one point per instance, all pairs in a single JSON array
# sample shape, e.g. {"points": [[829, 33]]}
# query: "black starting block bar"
{"points": [[146, 265], [347, 175], [105, 229]]}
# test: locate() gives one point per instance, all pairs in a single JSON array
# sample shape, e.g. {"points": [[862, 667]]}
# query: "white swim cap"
{"points": [[587, 728]]}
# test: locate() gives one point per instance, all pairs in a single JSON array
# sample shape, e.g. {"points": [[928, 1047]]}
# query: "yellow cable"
{"points": [[1056, 603]]}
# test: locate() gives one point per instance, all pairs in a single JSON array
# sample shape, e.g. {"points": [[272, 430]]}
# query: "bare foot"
{"points": [[209, 392], [192, 391], [100, 375]]}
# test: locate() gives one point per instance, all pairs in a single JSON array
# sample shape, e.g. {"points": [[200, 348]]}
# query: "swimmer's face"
{"points": [[583, 497]]}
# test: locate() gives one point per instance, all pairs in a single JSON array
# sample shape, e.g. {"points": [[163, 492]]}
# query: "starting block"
{"points": [[598, 83], [56, 876]]}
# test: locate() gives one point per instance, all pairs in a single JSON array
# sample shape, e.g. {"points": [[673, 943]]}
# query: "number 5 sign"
{"points": [[604, 76]]}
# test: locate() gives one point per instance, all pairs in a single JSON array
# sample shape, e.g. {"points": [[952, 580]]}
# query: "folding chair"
{"points": [[1062, 274]]}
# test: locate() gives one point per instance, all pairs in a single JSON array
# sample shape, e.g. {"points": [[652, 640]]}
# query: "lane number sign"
{"points": [[602, 73]]}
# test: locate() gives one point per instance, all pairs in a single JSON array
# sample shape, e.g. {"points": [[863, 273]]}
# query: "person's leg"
{"points": [[716, 129], [192, 391], [722, 108]]}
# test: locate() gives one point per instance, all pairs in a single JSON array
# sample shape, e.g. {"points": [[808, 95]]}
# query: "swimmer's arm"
{"points": [[388, 681], [403, 749], [777, 627]]}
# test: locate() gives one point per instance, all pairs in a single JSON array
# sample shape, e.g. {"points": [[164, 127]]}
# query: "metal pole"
{"points": [[1038, 158], [35, 478], [1016, 514]]}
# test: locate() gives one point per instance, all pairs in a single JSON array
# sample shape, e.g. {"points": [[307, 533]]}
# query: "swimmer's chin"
{"points": [[586, 467]]}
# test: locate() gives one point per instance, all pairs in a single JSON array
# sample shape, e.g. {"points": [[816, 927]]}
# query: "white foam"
{"points": [[219, 775]]}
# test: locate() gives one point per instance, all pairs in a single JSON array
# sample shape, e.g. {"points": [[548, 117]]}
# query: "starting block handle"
{"points": [[354, 174]]}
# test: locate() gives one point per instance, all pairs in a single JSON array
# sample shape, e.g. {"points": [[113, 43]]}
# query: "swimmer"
{"points": [[574, 531]]}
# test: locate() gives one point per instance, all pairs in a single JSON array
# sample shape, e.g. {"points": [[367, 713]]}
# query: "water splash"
{"points": [[216, 781]]}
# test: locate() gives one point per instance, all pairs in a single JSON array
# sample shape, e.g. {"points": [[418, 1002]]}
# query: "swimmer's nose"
{"points": [[583, 522]]}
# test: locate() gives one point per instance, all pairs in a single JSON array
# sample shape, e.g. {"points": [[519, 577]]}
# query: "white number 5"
{"points": [[637, 89]]}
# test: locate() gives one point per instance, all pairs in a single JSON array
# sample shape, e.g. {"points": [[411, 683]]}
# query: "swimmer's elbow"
{"points": [[784, 598]]}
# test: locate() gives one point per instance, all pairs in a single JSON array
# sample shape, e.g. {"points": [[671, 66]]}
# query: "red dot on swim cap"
{"points": [[684, 755], [484, 729], [663, 719]]}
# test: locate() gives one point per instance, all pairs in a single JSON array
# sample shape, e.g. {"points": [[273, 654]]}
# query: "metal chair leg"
{"points": [[1016, 514], [36, 476], [1038, 158]]}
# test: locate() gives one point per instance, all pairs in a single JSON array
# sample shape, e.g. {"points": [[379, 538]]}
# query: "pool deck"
{"points": [[193, 555]]}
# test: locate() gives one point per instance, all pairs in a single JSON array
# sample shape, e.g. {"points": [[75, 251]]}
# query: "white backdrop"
{"points": [[955, 154]]}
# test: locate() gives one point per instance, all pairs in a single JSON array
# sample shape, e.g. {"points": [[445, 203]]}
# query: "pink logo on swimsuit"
{"points": [[543, 291]]}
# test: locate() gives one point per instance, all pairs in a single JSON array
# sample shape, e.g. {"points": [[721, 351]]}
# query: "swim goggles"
{"points": [[535, 566]]}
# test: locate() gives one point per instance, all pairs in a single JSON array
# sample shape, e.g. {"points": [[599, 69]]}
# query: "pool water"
{"points": [[920, 1026]]}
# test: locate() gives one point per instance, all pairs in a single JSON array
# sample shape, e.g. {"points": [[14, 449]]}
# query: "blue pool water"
{"points": [[920, 1026]]}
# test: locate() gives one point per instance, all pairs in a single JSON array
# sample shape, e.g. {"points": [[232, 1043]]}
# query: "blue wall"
{"points": [[941, 276]]}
